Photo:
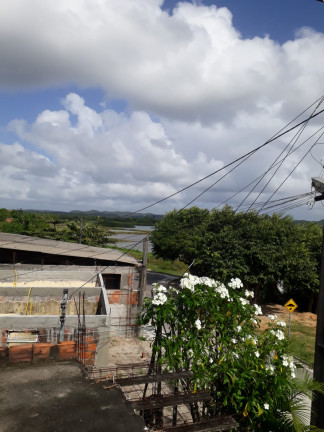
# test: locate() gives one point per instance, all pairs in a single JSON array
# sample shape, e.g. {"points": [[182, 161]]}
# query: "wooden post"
{"points": [[142, 276]]}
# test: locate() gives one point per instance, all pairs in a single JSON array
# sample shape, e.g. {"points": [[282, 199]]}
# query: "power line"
{"points": [[294, 140], [281, 184], [278, 135], [275, 164]]}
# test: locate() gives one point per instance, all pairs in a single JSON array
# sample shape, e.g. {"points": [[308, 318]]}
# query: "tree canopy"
{"points": [[271, 254]]}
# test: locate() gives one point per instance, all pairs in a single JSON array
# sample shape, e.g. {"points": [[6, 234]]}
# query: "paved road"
{"points": [[161, 278]]}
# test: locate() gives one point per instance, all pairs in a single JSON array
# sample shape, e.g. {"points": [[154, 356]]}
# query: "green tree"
{"points": [[266, 252], [179, 234], [4, 214]]}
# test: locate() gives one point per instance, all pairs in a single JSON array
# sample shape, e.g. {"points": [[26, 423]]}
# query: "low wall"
{"points": [[34, 353], [84, 351]]}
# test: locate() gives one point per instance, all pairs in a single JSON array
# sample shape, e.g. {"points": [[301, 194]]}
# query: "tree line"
{"points": [[273, 256]]}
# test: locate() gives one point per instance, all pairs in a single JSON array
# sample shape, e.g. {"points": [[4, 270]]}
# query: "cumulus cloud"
{"points": [[83, 158], [190, 65], [102, 156]]}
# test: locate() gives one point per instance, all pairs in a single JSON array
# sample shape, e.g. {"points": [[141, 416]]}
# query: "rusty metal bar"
{"points": [[149, 378], [162, 401]]}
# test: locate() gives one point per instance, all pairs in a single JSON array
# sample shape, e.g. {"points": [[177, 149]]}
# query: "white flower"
{"points": [[189, 281], [234, 340], [292, 365], [159, 299], [270, 368], [280, 335], [211, 360], [266, 406], [249, 293], [159, 288], [223, 291], [257, 354], [258, 310], [238, 328], [235, 283], [293, 375], [254, 321], [285, 363], [243, 301], [198, 324], [208, 281], [272, 317], [281, 323]]}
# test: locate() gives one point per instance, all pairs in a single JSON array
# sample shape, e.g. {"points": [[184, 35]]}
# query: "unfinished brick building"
{"points": [[102, 296]]}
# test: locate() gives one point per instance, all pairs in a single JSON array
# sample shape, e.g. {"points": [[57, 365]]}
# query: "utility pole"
{"points": [[317, 418], [142, 276]]}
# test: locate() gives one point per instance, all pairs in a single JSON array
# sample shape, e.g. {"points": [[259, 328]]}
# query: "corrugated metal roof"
{"points": [[55, 247]]}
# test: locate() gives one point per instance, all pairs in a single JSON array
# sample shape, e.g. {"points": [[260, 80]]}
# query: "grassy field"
{"points": [[175, 268], [302, 342]]}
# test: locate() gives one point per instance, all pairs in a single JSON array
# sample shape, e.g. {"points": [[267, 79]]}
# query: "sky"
{"points": [[117, 104]]}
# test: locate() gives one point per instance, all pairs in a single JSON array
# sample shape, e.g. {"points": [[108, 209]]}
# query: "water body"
{"points": [[132, 238]]}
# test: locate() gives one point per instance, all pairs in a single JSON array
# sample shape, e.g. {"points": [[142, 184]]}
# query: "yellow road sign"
{"points": [[291, 305]]}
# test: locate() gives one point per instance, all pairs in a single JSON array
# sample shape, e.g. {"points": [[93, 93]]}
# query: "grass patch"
{"points": [[174, 268], [302, 342]]}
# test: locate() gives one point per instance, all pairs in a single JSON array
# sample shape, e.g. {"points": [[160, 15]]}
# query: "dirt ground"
{"points": [[125, 351], [306, 318], [55, 397]]}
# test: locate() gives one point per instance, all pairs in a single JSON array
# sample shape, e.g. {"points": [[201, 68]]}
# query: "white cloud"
{"points": [[105, 156], [190, 65], [213, 96], [108, 160]]}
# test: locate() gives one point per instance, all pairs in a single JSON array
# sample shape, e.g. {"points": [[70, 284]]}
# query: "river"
{"points": [[132, 237]]}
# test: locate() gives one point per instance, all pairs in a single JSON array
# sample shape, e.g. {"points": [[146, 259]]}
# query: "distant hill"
{"points": [[115, 214], [106, 214], [305, 222]]}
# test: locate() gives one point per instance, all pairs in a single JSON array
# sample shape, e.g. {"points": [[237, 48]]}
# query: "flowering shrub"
{"points": [[211, 329]]}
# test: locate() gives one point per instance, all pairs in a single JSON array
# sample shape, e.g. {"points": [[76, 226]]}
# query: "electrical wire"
{"points": [[292, 142], [257, 178], [273, 138], [282, 183]]}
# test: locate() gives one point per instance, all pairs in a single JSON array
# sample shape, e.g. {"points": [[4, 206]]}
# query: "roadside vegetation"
{"points": [[302, 342], [158, 265], [274, 257]]}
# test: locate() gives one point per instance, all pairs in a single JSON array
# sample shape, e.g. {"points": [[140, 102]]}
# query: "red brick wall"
{"points": [[35, 352]]}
